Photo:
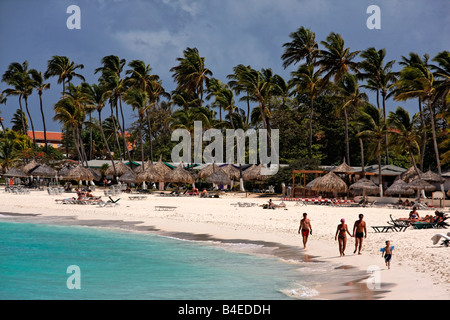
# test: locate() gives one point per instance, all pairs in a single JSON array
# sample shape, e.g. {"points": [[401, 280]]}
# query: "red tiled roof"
{"points": [[51, 136]]}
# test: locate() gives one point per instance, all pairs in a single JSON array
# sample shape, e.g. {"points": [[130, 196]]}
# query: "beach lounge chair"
{"points": [[438, 236], [401, 225]]}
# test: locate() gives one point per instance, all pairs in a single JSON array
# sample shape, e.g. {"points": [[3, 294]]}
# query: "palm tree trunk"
{"points": [[436, 148], [385, 135], [75, 140], [141, 132], [424, 135], [24, 129], [347, 144], [115, 130], [91, 147], [106, 142], [123, 134], [43, 122], [150, 136], [361, 145], [380, 177], [310, 128], [31, 121]]}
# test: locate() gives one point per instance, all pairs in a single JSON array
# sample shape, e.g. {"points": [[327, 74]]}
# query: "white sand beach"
{"points": [[419, 269]]}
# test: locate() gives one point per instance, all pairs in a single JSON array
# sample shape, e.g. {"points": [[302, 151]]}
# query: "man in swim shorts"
{"points": [[359, 232], [305, 228]]}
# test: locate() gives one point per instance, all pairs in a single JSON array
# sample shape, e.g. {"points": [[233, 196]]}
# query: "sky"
{"points": [[226, 33]]}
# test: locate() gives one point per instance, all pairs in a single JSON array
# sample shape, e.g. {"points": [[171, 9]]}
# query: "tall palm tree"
{"points": [[97, 97], [336, 60], [351, 100], [138, 99], [191, 73], [40, 86], [63, 68], [380, 78], [404, 135], [419, 82], [18, 76], [308, 81], [412, 60], [373, 129], [303, 46], [238, 87]]}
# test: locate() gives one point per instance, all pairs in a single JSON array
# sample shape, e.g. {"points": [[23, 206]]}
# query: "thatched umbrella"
{"points": [[330, 183], [343, 167], [253, 173], [367, 186], [15, 173], [30, 166], [311, 183], [410, 174], [128, 177], [430, 176], [219, 177], [150, 174], [231, 171], [420, 184], [207, 171], [179, 175], [43, 171], [96, 173], [121, 168], [78, 173], [399, 187], [141, 168]]}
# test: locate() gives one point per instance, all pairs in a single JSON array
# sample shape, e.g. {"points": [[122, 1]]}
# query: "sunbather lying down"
{"points": [[272, 205]]}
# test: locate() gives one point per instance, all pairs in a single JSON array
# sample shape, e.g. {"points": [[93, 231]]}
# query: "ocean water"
{"points": [[34, 262]]}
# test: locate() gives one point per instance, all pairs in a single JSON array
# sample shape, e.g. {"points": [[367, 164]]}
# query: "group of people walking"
{"points": [[359, 233]]}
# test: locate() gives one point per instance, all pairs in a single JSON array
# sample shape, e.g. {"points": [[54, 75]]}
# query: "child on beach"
{"points": [[387, 254]]}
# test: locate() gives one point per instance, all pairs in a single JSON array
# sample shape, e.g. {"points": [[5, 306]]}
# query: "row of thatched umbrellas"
{"points": [[407, 183]]}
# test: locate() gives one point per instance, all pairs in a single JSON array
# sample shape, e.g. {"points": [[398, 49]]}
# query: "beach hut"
{"points": [[330, 183], [399, 187], [419, 184], [207, 171], [367, 186], [253, 173], [342, 168], [430, 176], [150, 174], [128, 177], [30, 166]]}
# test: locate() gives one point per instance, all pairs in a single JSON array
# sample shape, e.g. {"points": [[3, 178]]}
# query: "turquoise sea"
{"points": [[36, 260]]}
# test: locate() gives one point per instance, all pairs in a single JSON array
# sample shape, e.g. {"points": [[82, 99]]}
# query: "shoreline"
{"points": [[217, 220]]}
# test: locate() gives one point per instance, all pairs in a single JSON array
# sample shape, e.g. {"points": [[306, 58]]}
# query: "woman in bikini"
{"points": [[341, 232]]}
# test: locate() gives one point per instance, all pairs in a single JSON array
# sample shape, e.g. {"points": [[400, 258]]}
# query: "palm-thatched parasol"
{"points": [[78, 173], [231, 171], [253, 173], [30, 166], [121, 168], [399, 187], [311, 183], [342, 168], [43, 171], [219, 177], [150, 174], [179, 175], [15, 173], [365, 185], [128, 177], [410, 174], [330, 183], [96, 173], [430, 176], [161, 167], [420, 184], [207, 171], [141, 168]]}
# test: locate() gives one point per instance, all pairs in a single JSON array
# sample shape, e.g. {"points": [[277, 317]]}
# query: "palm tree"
{"points": [[97, 97], [419, 82], [380, 78], [404, 134], [191, 74], [308, 81], [2, 100], [64, 69], [373, 129], [19, 122], [352, 100], [70, 111], [302, 46], [138, 99], [336, 60], [238, 87], [40, 86], [18, 76]]}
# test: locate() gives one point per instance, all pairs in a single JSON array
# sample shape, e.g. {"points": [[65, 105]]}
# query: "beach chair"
{"points": [[437, 237], [402, 225]]}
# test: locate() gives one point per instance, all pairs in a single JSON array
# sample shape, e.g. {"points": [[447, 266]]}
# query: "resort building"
{"points": [[53, 138]]}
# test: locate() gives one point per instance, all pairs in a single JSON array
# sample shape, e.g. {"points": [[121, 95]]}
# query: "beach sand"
{"points": [[419, 269]]}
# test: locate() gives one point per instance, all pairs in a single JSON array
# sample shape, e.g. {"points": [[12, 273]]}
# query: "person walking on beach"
{"points": [[387, 254], [342, 231], [305, 228], [359, 232]]}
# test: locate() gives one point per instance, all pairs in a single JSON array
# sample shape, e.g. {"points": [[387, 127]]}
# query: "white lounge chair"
{"points": [[438, 236]]}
